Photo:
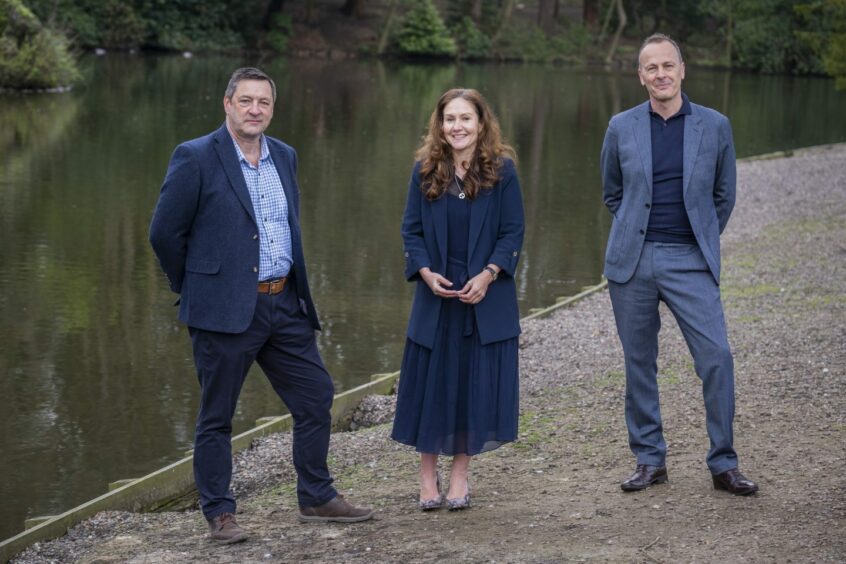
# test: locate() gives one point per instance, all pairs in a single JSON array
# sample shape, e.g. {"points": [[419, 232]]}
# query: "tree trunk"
{"points": [[621, 23], [729, 32], [353, 8], [309, 12], [476, 12], [546, 19], [386, 28], [507, 8], [606, 21], [590, 13]]}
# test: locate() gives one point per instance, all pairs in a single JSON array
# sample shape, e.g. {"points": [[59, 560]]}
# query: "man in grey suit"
{"points": [[668, 178]]}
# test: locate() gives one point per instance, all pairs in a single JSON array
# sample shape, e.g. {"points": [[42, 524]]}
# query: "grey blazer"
{"points": [[709, 181]]}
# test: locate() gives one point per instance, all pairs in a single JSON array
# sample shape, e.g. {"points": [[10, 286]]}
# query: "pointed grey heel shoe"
{"points": [[434, 503], [457, 504]]}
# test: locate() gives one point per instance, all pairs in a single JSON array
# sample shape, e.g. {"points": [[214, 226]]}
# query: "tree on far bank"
{"points": [[825, 34], [423, 33], [31, 55]]}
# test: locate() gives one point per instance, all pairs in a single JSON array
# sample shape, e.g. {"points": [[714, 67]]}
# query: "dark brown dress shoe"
{"points": [[734, 482], [644, 476], [339, 510], [225, 530]]}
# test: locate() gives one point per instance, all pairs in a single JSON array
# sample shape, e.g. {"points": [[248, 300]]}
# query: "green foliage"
{"points": [[764, 38], [122, 27], [523, 42], [472, 43], [280, 32], [162, 24], [760, 35], [529, 43], [825, 34], [457, 10], [192, 25], [32, 56], [423, 33]]}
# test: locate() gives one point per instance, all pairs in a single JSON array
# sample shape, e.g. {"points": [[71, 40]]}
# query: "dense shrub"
{"points": [[280, 32], [423, 33], [472, 42], [824, 32], [161, 24], [32, 56], [764, 40], [529, 43]]}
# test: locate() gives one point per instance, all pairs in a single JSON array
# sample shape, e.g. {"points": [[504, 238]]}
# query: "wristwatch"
{"points": [[494, 274]]}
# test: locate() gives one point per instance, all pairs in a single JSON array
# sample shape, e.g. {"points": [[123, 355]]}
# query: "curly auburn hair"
{"points": [[435, 153]]}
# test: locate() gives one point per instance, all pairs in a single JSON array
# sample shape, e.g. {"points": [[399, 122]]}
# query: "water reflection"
{"points": [[98, 369]]}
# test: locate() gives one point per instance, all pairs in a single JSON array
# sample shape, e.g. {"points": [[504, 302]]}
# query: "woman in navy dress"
{"points": [[462, 232]]}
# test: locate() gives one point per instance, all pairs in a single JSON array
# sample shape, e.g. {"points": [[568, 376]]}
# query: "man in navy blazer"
{"points": [[668, 178], [226, 232]]}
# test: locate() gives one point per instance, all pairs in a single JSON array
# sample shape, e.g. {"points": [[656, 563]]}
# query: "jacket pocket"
{"points": [[201, 266], [616, 241]]}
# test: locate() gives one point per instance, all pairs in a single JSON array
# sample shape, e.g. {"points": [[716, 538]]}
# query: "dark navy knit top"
{"points": [[668, 222]]}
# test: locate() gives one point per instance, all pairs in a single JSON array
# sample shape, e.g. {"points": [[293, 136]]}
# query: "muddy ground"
{"points": [[554, 496]]}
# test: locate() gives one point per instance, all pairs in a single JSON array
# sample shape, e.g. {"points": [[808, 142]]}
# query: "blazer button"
{"points": [[515, 253], [648, 206], [641, 231], [255, 236], [255, 269], [406, 255]]}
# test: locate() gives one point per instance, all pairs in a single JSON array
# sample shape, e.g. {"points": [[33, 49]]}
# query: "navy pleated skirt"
{"points": [[460, 397]]}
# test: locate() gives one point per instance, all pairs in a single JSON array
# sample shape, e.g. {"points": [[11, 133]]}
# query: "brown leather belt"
{"points": [[272, 287]]}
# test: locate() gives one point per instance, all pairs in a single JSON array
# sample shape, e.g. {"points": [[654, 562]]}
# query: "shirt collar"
{"points": [[265, 152], [685, 109]]}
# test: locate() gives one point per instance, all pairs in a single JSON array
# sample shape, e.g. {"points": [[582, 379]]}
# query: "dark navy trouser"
{"points": [[678, 275], [281, 339]]}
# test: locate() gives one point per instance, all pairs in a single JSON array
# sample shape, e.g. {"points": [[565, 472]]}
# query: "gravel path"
{"points": [[554, 495]]}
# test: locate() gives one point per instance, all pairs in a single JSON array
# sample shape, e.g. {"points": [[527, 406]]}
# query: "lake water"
{"points": [[96, 373]]}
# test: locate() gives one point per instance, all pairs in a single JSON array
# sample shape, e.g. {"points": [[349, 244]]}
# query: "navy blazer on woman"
{"points": [[496, 236], [205, 235]]}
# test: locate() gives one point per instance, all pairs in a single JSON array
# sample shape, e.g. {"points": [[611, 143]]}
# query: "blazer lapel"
{"points": [[228, 158], [692, 140], [643, 137], [478, 210]]}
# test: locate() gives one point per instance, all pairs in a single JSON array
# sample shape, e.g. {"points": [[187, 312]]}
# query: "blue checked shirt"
{"points": [[271, 209]]}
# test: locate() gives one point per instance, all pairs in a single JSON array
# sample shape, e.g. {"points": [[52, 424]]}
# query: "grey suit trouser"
{"points": [[678, 275]]}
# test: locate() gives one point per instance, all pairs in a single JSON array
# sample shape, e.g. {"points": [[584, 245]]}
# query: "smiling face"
{"points": [[461, 126], [249, 111], [661, 71]]}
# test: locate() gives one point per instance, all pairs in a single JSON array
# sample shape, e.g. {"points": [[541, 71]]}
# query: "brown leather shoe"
{"points": [[644, 476], [734, 482], [225, 530], [339, 510]]}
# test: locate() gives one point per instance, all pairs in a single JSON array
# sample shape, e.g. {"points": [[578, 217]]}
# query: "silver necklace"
{"points": [[461, 194]]}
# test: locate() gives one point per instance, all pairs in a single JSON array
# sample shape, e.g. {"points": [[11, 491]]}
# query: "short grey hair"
{"points": [[658, 38], [248, 73]]}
